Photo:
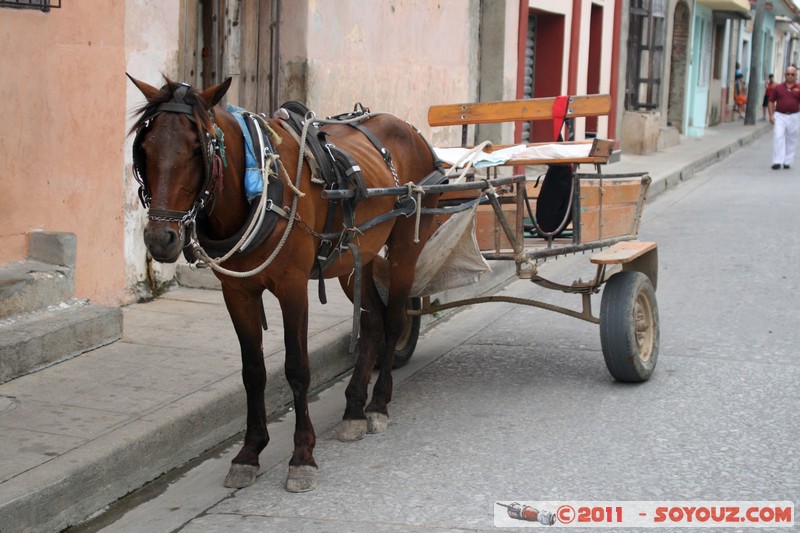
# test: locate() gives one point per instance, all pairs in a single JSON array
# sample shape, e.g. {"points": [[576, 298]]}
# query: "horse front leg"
{"points": [[302, 476], [244, 309], [355, 422]]}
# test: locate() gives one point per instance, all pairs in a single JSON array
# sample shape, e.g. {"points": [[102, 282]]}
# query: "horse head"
{"points": [[175, 160]]}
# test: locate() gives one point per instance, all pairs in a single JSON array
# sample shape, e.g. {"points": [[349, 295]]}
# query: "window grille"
{"points": [[43, 5], [646, 37], [530, 54]]}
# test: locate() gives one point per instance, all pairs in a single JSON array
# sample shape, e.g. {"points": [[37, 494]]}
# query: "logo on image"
{"points": [[528, 513]]}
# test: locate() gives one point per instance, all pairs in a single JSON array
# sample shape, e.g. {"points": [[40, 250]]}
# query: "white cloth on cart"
{"points": [[482, 159]]}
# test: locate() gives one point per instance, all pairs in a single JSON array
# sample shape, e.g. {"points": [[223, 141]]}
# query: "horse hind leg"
{"points": [[355, 423], [377, 412], [400, 284]]}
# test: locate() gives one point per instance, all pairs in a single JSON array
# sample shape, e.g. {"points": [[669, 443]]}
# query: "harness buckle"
{"points": [[324, 245]]}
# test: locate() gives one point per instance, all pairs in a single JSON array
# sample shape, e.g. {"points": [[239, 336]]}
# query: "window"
{"points": [[527, 84], [646, 36], [719, 46], [43, 5], [704, 71]]}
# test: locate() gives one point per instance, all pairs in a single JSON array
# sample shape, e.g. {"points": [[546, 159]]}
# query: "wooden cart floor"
{"points": [[539, 248]]}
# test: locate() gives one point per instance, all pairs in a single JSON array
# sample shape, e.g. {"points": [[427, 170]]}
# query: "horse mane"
{"points": [[193, 98]]}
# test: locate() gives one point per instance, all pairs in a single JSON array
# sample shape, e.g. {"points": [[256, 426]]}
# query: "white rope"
{"points": [[469, 158], [249, 232], [414, 189], [214, 263]]}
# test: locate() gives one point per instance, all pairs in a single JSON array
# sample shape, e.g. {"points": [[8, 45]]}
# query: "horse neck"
{"points": [[229, 210]]}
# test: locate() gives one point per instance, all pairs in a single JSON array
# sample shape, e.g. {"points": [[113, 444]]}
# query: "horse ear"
{"points": [[214, 94], [148, 91]]}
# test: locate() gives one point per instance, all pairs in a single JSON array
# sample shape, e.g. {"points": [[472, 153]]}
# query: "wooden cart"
{"points": [[605, 214]]}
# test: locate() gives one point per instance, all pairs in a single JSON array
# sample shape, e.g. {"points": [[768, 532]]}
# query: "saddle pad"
{"points": [[253, 180]]}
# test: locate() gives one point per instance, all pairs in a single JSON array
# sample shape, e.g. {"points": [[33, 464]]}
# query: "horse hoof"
{"points": [[240, 476], [352, 430], [377, 422], [301, 478]]}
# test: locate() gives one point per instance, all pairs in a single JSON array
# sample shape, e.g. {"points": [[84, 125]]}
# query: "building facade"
{"points": [[67, 106], [682, 58], [62, 103]]}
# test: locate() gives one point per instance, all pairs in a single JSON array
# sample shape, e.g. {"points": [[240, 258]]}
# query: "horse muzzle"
{"points": [[164, 240]]}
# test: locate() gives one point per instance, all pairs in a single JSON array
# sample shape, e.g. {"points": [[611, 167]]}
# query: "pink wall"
{"points": [[62, 105]]}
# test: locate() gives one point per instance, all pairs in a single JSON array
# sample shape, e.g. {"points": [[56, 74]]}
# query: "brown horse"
{"points": [[189, 155]]}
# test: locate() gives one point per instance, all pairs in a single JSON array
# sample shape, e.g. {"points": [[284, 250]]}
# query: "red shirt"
{"points": [[786, 100]]}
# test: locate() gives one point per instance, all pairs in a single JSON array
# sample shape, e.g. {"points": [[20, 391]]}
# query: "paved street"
{"points": [[506, 403]]}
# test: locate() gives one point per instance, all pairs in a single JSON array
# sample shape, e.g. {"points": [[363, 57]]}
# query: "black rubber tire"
{"points": [[407, 342], [629, 330]]}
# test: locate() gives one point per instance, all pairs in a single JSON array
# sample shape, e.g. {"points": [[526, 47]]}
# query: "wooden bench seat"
{"points": [[516, 110], [532, 109], [606, 208]]}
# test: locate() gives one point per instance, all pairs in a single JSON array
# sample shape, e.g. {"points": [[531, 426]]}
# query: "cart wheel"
{"points": [[407, 342], [629, 331]]}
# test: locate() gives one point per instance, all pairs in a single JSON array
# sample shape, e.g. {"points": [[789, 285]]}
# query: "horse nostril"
{"points": [[164, 238], [171, 237]]}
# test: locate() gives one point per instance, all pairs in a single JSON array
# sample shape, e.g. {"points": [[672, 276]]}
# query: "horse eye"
{"points": [[198, 152]]}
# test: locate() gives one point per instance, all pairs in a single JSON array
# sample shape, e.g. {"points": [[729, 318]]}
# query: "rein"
{"points": [[310, 120]]}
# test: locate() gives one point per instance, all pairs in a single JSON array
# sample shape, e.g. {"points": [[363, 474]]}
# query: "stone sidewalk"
{"points": [[78, 435]]}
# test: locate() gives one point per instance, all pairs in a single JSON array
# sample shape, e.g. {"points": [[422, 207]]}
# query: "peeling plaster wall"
{"points": [[498, 63], [399, 56], [66, 105], [152, 38], [61, 103], [294, 51]]}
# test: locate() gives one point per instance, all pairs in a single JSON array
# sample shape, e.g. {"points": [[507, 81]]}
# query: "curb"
{"points": [[686, 172], [74, 486]]}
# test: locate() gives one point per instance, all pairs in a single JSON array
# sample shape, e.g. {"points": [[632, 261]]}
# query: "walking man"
{"points": [[784, 108]]}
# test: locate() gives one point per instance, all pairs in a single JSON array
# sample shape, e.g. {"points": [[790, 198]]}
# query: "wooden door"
{"points": [[232, 38]]}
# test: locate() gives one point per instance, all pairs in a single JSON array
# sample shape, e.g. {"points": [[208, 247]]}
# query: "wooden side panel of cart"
{"points": [[607, 208], [610, 207]]}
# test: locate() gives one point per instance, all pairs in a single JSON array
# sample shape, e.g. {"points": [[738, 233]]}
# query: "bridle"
{"points": [[212, 148]]}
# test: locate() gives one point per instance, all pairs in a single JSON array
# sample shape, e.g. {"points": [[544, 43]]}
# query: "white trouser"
{"points": [[784, 138]]}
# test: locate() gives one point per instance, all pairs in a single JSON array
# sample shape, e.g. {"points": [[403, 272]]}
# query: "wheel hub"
{"points": [[643, 315]]}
